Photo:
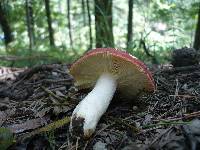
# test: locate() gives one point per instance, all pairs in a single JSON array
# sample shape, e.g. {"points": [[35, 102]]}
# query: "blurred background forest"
{"points": [[59, 31]]}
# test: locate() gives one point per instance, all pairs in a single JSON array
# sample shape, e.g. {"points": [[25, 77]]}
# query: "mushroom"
{"points": [[107, 70]]}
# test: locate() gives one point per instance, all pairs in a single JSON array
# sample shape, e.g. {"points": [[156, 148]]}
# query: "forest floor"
{"points": [[39, 96]]}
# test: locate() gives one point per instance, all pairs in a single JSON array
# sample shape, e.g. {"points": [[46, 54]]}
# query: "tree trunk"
{"points": [[8, 37], [83, 12], [130, 23], [197, 33], [103, 23], [30, 23], [69, 23], [90, 26], [49, 21]]}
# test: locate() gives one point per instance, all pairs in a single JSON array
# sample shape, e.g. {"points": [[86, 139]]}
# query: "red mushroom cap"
{"points": [[133, 77]]}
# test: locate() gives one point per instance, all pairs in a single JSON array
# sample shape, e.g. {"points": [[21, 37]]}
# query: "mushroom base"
{"points": [[88, 112], [77, 124]]}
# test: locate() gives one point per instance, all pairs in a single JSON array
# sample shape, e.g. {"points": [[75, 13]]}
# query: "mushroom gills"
{"points": [[88, 112]]}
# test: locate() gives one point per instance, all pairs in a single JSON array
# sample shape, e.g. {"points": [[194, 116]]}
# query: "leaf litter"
{"points": [[31, 104]]}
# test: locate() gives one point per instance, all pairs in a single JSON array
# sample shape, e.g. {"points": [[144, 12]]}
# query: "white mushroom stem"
{"points": [[94, 105]]}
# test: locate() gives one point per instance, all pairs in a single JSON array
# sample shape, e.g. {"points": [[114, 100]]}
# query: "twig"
{"points": [[47, 81], [52, 94], [29, 72], [50, 127], [185, 116], [165, 123], [77, 143], [158, 137]]}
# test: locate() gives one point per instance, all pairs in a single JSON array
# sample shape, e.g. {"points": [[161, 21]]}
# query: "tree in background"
{"points": [[197, 33], [5, 26], [103, 23], [30, 23], [90, 25], [69, 23], [130, 24], [49, 21], [83, 12]]}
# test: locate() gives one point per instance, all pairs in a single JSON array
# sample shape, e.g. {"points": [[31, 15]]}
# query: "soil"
{"points": [[165, 119]]}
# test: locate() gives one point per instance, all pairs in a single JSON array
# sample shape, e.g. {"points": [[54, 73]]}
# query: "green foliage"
{"points": [[6, 138], [51, 139], [163, 25], [41, 56]]}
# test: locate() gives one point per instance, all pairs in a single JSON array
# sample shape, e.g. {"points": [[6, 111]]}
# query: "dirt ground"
{"points": [[31, 102]]}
